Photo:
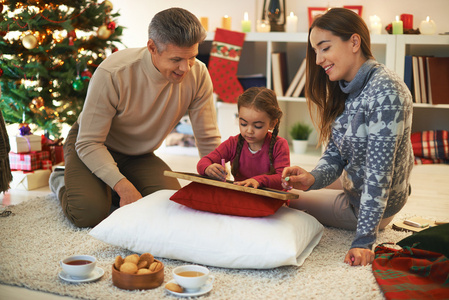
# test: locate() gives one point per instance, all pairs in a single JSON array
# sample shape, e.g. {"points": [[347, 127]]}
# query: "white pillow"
{"points": [[167, 229]]}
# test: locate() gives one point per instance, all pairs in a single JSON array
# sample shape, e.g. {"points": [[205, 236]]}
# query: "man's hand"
{"points": [[127, 192]]}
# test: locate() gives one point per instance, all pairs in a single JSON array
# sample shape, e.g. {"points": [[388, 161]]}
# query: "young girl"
{"points": [[257, 155], [365, 117]]}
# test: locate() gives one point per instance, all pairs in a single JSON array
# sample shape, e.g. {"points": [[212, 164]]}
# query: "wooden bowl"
{"points": [[137, 282]]}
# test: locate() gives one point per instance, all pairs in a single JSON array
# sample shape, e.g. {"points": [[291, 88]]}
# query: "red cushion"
{"points": [[225, 201]]}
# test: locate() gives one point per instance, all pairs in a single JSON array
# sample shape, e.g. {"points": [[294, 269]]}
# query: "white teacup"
{"points": [[78, 266], [192, 277]]}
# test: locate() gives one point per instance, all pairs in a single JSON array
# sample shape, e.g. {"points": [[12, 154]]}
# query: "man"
{"points": [[134, 100]]}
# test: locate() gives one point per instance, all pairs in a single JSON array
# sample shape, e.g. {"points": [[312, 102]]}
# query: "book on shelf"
{"points": [[429, 88], [416, 83], [423, 78], [300, 86], [439, 79], [279, 72], [408, 72], [299, 74]]}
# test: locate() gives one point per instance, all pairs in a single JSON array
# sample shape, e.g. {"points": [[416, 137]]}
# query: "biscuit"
{"points": [[143, 271], [118, 262], [128, 268], [174, 287], [149, 258], [133, 258], [155, 266]]}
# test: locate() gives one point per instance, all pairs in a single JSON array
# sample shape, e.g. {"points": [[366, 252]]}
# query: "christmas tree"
{"points": [[48, 52]]}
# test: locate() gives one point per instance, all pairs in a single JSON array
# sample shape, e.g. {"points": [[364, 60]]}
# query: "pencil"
{"points": [[223, 163]]}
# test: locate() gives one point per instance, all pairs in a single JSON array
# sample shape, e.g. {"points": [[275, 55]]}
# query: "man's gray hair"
{"points": [[175, 26]]}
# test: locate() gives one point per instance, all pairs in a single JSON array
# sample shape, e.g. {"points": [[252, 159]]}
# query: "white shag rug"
{"points": [[37, 235]]}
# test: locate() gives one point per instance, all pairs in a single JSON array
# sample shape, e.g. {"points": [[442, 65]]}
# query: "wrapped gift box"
{"points": [[29, 180], [27, 161], [56, 154], [26, 143]]}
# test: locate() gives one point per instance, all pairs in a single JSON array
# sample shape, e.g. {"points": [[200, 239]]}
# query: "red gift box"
{"points": [[55, 149], [27, 161], [56, 154], [46, 164]]}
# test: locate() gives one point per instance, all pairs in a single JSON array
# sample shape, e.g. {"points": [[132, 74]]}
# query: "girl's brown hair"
{"points": [[321, 93], [262, 99]]}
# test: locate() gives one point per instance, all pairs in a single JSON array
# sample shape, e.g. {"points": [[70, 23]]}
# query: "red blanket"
{"points": [[411, 273], [431, 146]]}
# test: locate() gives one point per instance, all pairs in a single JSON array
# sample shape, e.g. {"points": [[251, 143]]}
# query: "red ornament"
{"points": [[115, 49], [86, 75], [71, 34], [1, 72], [111, 25]]}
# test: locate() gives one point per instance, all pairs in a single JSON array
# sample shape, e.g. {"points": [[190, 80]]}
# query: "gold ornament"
{"points": [[103, 32], [29, 41], [108, 6], [38, 102]]}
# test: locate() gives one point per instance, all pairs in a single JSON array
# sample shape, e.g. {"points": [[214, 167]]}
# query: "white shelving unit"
{"points": [[387, 49]]}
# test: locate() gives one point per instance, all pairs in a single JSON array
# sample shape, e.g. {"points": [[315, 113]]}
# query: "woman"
{"points": [[364, 114]]}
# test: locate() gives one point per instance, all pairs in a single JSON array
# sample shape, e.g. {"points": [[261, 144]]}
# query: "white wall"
{"points": [[135, 15]]}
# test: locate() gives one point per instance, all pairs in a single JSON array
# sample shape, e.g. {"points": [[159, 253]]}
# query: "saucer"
{"points": [[203, 290], [96, 274]]}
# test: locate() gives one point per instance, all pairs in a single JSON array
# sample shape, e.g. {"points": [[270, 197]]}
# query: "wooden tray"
{"points": [[228, 184]]}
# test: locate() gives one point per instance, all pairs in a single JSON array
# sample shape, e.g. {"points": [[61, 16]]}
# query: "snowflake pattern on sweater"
{"points": [[370, 145]]}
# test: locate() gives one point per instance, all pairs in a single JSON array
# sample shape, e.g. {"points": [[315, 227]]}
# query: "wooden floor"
{"points": [[429, 198]]}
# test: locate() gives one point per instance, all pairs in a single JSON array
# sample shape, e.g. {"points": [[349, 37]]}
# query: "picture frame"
{"points": [[314, 12], [355, 8]]}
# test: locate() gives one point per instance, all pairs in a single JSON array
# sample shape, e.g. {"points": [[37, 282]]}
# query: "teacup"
{"points": [[78, 266], [192, 277]]}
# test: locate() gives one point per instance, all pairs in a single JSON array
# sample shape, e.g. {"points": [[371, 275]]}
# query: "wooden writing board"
{"points": [[228, 184]]}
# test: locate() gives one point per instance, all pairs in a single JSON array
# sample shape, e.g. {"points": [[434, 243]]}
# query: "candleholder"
{"points": [[263, 26]]}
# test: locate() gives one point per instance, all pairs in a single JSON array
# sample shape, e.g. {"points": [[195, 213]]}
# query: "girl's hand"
{"points": [[248, 182], [216, 171], [298, 178], [359, 256]]}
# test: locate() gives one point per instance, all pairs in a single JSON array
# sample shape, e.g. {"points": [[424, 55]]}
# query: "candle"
{"points": [[292, 23], [246, 23], [407, 19], [263, 26], [428, 26], [397, 26], [205, 22], [375, 24], [226, 22]]}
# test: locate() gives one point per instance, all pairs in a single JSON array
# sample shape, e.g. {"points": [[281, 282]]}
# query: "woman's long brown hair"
{"points": [[321, 93], [262, 99]]}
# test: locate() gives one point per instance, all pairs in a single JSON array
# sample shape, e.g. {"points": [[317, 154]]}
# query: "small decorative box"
{"points": [[25, 143], [29, 180], [27, 161]]}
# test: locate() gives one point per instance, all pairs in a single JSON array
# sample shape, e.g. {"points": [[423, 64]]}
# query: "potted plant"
{"points": [[300, 133]]}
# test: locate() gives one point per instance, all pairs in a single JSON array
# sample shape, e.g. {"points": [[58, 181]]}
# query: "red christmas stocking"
{"points": [[223, 64]]}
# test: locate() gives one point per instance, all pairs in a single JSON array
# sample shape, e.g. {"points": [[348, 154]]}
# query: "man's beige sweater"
{"points": [[131, 108]]}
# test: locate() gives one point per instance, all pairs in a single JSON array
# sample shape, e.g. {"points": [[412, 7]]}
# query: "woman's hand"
{"points": [[248, 182], [216, 171], [127, 192], [359, 256], [298, 178]]}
